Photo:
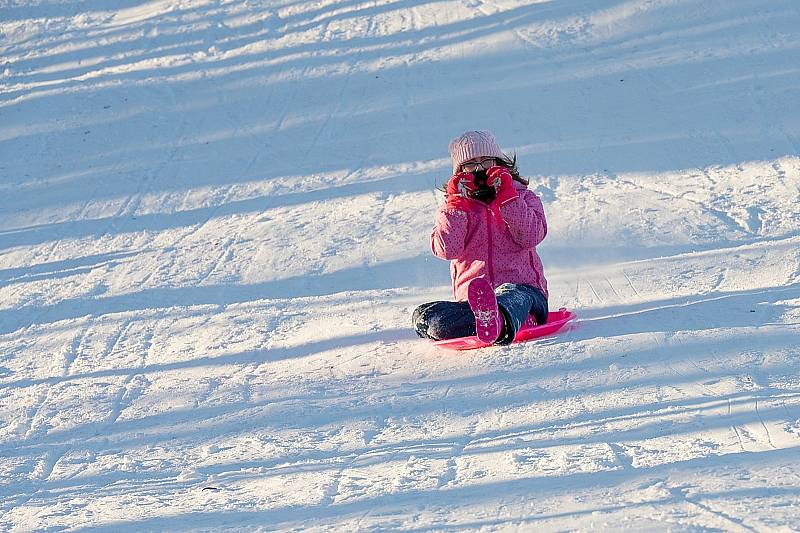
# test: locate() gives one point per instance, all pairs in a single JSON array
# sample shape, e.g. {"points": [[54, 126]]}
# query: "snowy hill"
{"points": [[214, 221]]}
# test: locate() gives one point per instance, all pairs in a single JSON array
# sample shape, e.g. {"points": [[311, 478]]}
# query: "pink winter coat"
{"points": [[478, 244]]}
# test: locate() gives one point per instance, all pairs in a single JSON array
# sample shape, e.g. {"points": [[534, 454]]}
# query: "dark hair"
{"points": [[509, 162]]}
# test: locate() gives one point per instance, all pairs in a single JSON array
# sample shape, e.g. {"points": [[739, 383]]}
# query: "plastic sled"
{"points": [[530, 330]]}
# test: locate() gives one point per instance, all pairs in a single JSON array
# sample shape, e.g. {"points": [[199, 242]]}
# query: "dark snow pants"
{"points": [[448, 320]]}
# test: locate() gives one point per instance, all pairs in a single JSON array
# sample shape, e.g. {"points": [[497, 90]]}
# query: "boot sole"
{"points": [[483, 303]]}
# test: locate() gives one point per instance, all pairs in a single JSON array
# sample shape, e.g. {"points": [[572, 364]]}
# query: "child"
{"points": [[488, 228]]}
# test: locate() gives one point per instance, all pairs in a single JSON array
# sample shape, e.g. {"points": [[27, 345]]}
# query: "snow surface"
{"points": [[214, 221]]}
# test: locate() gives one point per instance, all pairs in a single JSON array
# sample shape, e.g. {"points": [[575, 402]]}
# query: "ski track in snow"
{"points": [[213, 232]]}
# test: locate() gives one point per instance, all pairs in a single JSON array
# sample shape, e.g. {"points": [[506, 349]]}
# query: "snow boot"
{"points": [[482, 301]]}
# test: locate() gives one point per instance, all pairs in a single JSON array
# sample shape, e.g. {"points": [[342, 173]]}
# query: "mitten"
{"points": [[458, 189], [500, 178]]}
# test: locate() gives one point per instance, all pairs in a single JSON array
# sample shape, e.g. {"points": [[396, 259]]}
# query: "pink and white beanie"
{"points": [[473, 144]]}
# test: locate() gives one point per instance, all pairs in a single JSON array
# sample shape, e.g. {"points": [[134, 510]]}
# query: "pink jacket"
{"points": [[479, 244]]}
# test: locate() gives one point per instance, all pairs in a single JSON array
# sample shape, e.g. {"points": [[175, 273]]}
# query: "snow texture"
{"points": [[214, 221]]}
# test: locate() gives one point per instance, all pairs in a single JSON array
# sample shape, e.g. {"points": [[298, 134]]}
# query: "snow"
{"points": [[214, 221]]}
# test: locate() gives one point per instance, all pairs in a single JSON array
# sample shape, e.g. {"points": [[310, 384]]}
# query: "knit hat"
{"points": [[473, 144]]}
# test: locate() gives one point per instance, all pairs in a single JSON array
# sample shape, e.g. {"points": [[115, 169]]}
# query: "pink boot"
{"points": [[488, 323]]}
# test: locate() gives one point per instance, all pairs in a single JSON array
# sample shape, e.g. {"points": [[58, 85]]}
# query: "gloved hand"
{"points": [[458, 189], [500, 178]]}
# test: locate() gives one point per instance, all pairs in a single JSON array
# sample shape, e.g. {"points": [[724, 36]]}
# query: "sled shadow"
{"points": [[386, 275]]}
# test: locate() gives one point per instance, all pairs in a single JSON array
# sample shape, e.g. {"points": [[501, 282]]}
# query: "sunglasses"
{"points": [[484, 164]]}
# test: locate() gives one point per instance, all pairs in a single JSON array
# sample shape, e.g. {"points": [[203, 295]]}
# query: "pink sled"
{"points": [[556, 321]]}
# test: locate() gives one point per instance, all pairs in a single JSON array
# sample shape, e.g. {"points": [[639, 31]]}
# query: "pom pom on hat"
{"points": [[473, 144]]}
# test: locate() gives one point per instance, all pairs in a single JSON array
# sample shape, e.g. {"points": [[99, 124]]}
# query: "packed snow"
{"points": [[214, 228]]}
